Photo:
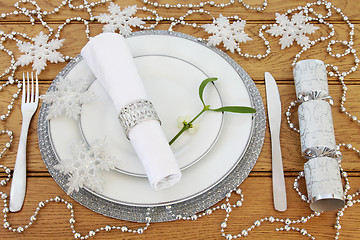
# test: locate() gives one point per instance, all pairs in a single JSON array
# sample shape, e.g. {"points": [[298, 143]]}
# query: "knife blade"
{"points": [[274, 115]]}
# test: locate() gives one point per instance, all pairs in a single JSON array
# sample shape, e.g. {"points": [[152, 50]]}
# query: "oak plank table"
{"points": [[53, 221]]}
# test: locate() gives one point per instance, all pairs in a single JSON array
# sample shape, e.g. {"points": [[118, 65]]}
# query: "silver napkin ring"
{"points": [[137, 112]]}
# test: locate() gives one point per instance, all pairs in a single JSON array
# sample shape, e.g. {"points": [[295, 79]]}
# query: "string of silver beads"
{"points": [[72, 220], [288, 115], [10, 71], [203, 4]]}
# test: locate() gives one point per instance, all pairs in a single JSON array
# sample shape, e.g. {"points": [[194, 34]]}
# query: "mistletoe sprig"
{"points": [[233, 109]]}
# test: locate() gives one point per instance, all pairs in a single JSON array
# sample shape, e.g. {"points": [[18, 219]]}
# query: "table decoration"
{"points": [[86, 167], [68, 98], [316, 129], [322, 173], [323, 183], [310, 80], [187, 125], [311, 14]]}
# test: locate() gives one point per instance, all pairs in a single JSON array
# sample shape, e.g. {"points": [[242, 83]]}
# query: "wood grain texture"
{"points": [[53, 220], [289, 139], [351, 8], [278, 62]]}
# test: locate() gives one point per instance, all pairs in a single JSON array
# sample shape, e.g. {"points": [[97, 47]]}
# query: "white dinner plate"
{"points": [[226, 159]]}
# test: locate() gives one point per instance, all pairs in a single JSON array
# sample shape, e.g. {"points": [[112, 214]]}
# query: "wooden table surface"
{"points": [[53, 221]]}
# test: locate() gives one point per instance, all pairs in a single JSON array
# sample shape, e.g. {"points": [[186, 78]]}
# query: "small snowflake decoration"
{"points": [[292, 30], [40, 52], [230, 34], [121, 20], [68, 98], [86, 166]]}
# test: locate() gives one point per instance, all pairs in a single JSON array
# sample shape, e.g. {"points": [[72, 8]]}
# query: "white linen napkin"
{"points": [[111, 61]]}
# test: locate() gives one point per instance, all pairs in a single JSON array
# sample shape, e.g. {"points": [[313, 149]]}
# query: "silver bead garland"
{"points": [[37, 14]]}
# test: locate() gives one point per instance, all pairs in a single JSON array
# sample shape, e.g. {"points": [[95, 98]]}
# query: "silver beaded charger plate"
{"points": [[223, 168]]}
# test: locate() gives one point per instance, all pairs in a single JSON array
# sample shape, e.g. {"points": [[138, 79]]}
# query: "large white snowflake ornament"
{"points": [[68, 97], [230, 34], [86, 166], [40, 52], [118, 19], [292, 30]]}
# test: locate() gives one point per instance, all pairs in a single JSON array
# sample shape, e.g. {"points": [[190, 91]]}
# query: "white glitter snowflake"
{"points": [[40, 52], [118, 19], [86, 166], [230, 34], [68, 98], [292, 30]]}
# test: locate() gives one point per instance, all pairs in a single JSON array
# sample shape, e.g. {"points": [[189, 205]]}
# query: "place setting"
{"points": [[235, 137], [144, 125]]}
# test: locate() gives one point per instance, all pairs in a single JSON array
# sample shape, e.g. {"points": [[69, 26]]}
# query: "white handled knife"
{"points": [[274, 113]]}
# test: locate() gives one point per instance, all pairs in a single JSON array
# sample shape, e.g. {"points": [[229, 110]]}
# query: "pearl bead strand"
{"points": [[10, 71], [203, 4]]}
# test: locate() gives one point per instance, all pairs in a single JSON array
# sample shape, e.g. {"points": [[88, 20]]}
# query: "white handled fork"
{"points": [[29, 104]]}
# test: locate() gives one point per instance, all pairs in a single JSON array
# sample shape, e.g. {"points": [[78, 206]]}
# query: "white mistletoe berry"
{"points": [[230, 34], [194, 126], [68, 97], [292, 30], [40, 52], [118, 19]]}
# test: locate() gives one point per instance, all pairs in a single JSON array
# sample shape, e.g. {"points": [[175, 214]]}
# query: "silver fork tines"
{"points": [[29, 105], [26, 94]]}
